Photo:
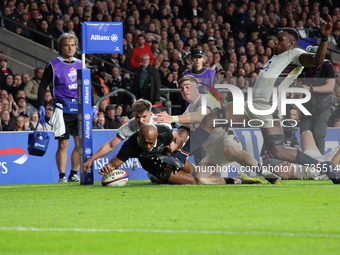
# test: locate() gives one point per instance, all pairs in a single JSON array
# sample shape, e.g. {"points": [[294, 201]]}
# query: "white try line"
{"points": [[169, 231], [19, 186]]}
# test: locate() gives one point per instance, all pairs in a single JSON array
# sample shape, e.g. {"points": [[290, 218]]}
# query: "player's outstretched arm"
{"points": [[310, 60], [193, 117], [104, 150], [113, 164]]}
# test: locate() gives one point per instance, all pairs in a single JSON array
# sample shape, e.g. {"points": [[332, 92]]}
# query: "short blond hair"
{"points": [[190, 78], [141, 105]]}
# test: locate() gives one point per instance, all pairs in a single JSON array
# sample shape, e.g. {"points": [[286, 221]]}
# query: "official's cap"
{"points": [[196, 52]]}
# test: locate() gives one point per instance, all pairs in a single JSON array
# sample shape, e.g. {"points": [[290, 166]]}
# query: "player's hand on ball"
{"points": [[108, 168]]}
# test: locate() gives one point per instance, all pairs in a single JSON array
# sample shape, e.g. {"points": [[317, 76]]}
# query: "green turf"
{"points": [[298, 217]]}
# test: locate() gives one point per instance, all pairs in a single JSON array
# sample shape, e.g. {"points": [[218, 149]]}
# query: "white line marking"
{"points": [[34, 186], [212, 232], [18, 186]]}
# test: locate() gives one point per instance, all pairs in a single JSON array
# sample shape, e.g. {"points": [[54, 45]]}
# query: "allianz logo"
{"points": [[113, 37], [39, 145]]}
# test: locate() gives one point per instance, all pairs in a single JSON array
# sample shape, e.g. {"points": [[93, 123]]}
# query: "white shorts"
{"points": [[215, 154], [268, 120]]}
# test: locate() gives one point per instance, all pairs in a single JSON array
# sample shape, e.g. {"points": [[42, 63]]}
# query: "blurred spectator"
{"points": [[141, 49], [19, 124], [7, 105], [57, 30], [336, 123], [25, 77], [119, 82], [49, 113], [4, 94], [175, 98], [23, 30], [65, 4], [35, 18], [70, 28], [102, 105], [113, 60], [32, 86], [44, 29], [23, 107], [8, 13], [48, 96], [301, 29], [43, 9], [110, 120], [87, 17], [123, 120], [336, 94], [7, 84], [126, 109], [146, 83], [99, 86], [5, 121], [336, 66], [193, 10], [294, 114], [57, 14], [33, 121], [124, 62], [16, 85], [164, 70], [99, 121], [119, 112], [4, 71], [129, 45]]}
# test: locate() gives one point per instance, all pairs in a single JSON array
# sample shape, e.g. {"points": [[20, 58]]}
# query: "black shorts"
{"points": [[157, 171], [71, 126]]}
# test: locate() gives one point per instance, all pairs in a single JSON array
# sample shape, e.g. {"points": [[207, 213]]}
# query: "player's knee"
{"points": [[274, 143], [188, 180], [63, 145], [230, 153]]}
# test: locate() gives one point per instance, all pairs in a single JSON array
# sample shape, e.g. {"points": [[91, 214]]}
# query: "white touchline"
{"points": [[171, 231], [18, 186]]}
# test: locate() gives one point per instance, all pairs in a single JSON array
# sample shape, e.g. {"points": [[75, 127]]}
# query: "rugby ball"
{"points": [[117, 177]]}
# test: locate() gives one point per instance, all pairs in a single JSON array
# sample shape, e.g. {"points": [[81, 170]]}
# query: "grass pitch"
{"points": [[298, 217]]}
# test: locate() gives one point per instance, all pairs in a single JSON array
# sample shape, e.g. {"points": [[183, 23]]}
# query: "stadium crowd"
{"points": [[236, 38]]}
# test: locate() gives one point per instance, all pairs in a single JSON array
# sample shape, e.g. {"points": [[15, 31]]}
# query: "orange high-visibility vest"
{"points": [[104, 88]]}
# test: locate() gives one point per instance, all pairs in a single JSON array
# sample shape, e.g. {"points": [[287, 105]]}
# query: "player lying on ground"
{"points": [[289, 170], [143, 115], [150, 141], [221, 148], [279, 72]]}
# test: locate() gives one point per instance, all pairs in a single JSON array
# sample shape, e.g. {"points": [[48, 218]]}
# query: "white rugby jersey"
{"points": [[131, 127], [217, 133], [279, 71]]}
